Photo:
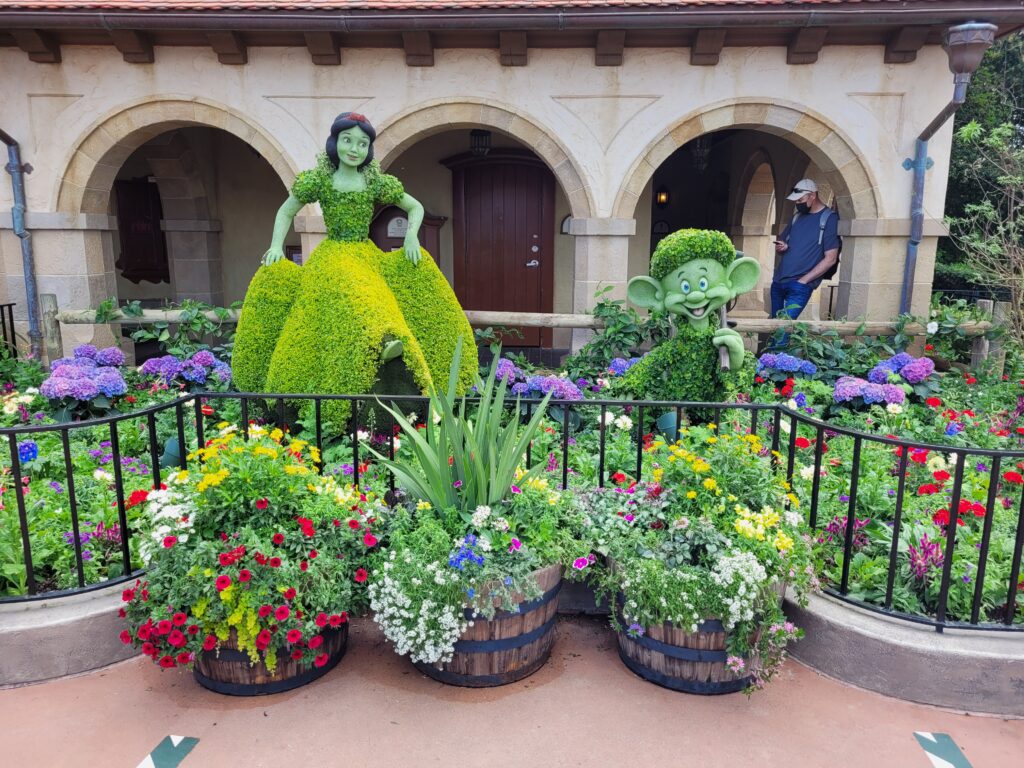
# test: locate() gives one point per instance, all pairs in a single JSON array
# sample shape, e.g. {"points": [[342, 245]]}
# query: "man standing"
{"points": [[809, 246]]}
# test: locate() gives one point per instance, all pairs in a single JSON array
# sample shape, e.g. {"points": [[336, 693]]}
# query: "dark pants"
{"points": [[789, 297]]}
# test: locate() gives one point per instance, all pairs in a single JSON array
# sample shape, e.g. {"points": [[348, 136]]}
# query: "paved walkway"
{"points": [[582, 709]]}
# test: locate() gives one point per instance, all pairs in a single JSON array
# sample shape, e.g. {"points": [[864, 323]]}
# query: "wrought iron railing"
{"points": [[780, 427]]}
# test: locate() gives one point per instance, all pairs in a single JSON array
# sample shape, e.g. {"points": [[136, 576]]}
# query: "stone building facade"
{"points": [[720, 113]]}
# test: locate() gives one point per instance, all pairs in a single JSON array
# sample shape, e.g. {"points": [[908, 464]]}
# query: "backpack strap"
{"points": [[822, 221]]}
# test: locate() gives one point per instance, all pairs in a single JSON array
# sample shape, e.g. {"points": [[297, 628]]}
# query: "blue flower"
{"points": [[28, 450]]}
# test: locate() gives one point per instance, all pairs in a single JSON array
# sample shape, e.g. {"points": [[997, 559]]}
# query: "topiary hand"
{"points": [[272, 256], [412, 248], [731, 340]]}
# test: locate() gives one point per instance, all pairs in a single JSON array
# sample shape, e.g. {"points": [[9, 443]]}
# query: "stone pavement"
{"points": [[583, 708]]}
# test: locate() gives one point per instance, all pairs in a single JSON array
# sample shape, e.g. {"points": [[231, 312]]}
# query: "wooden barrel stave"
{"points": [[230, 671], [507, 648]]}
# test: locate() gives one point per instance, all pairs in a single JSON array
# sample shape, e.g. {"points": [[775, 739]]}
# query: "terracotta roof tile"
{"points": [[386, 5]]}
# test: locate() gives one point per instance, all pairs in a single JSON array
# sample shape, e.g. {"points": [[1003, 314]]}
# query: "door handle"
{"points": [[533, 263]]}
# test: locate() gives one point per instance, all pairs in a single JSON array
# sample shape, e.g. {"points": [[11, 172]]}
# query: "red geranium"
{"points": [[282, 612], [920, 455], [312, 554], [927, 489], [226, 559], [178, 619], [294, 635], [941, 476], [137, 497], [278, 538], [207, 410], [360, 575], [223, 582], [306, 525], [1013, 477], [618, 477], [933, 402], [262, 504], [941, 517], [802, 442]]}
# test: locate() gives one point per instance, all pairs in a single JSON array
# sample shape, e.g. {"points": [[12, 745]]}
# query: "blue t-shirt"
{"points": [[804, 253]]}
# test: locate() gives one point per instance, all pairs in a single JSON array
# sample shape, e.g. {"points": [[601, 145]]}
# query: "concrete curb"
{"points": [[44, 639], [965, 670]]}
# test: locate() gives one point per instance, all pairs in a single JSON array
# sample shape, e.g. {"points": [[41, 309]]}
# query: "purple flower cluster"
{"points": [[197, 369], [912, 370], [619, 365], [466, 552], [836, 531], [560, 389], [507, 371], [88, 374], [782, 361], [848, 388], [925, 557]]}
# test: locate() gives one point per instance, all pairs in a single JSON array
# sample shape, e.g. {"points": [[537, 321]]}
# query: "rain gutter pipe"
{"points": [[17, 170], [965, 45]]}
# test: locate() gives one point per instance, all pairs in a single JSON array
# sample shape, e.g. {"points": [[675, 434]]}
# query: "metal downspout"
{"points": [[980, 36], [17, 171]]}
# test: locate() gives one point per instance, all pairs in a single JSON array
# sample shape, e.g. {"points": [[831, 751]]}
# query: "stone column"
{"points": [[871, 274], [601, 259], [74, 259], [193, 253]]}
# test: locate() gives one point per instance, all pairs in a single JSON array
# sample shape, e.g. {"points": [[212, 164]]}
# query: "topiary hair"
{"points": [[343, 122], [687, 245]]}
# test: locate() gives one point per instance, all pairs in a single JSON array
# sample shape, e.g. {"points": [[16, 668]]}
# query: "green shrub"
{"points": [[688, 244]]}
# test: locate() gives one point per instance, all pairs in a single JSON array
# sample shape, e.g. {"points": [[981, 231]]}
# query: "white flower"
{"points": [[791, 404], [624, 422], [11, 408], [807, 473], [362, 435], [31, 391], [480, 515], [894, 408], [784, 425], [102, 475], [932, 327]]}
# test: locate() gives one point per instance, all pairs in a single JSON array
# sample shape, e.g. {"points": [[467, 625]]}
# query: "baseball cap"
{"points": [[802, 188]]}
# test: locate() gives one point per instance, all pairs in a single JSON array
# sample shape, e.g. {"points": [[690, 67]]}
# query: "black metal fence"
{"points": [[184, 420]]}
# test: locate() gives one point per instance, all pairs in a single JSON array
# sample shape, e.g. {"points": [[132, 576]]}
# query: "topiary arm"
{"points": [[414, 211], [283, 222]]}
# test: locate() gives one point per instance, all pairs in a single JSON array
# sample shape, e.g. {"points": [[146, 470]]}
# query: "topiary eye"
{"points": [[686, 286], [703, 284]]}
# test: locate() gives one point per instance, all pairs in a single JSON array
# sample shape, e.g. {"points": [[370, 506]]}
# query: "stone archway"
{"points": [[96, 158], [402, 131], [755, 214]]}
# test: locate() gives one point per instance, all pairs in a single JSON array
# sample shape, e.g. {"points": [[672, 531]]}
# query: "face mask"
{"points": [[803, 208]]}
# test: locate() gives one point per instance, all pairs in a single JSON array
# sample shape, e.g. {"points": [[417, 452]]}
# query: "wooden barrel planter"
{"points": [[232, 672], [693, 662], [509, 647]]}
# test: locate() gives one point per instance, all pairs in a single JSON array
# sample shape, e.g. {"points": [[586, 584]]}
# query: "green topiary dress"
{"points": [[320, 328]]}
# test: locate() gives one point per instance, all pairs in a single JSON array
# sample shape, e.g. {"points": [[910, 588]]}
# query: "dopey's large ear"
{"points": [[742, 275], [646, 292]]}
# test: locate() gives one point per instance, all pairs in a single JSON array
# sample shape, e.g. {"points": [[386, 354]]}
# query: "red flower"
{"points": [[360, 575], [170, 541], [315, 642], [167, 662], [929, 347], [289, 593], [927, 489], [759, 379], [184, 657], [353, 524], [306, 525], [163, 627], [297, 654], [265, 610], [321, 660], [337, 620], [321, 619], [312, 554], [370, 540], [294, 635], [128, 595], [971, 380], [941, 517], [941, 476], [920, 455], [126, 637], [148, 649], [207, 410], [933, 402], [278, 538], [303, 566], [282, 612], [803, 442], [262, 504], [121, 612], [261, 559], [176, 639], [618, 477], [226, 559], [178, 619], [223, 582], [143, 632], [244, 575], [137, 497], [263, 640], [1013, 477], [274, 562], [193, 629]]}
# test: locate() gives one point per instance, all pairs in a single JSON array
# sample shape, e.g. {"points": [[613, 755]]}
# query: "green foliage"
{"points": [[461, 461], [837, 356], [687, 245], [624, 332], [184, 337], [21, 372], [683, 368]]}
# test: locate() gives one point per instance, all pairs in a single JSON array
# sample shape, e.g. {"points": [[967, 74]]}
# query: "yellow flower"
{"points": [[782, 542], [296, 469], [730, 497], [262, 450], [710, 484], [700, 466], [553, 499], [222, 424], [792, 497], [423, 505], [276, 435], [691, 494], [212, 479], [712, 426], [313, 488], [745, 528], [314, 454], [712, 439], [657, 474]]}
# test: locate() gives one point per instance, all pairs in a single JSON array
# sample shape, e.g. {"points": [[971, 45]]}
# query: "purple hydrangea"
{"points": [[204, 357], [507, 371], [782, 361], [619, 365], [85, 352], [872, 393], [111, 356], [560, 389], [192, 371], [897, 361], [880, 374], [520, 388], [222, 371], [918, 370], [847, 388], [70, 372], [110, 382], [83, 389], [893, 393]]}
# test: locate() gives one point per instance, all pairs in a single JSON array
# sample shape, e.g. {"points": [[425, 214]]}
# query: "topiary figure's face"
{"points": [[353, 146], [696, 289]]}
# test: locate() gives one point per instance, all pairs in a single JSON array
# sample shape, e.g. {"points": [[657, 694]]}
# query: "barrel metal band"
{"points": [[507, 643], [544, 599], [680, 684], [277, 686]]}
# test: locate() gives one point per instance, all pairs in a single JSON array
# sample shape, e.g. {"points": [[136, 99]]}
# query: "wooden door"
{"points": [[504, 236], [143, 244]]}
